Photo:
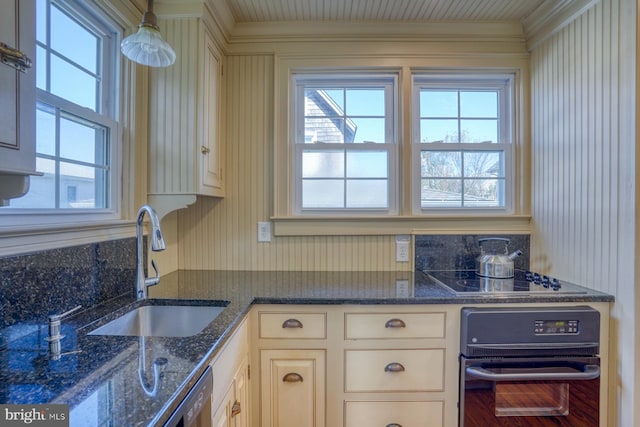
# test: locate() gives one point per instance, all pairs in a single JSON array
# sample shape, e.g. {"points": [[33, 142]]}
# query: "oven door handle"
{"points": [[590, 372]]}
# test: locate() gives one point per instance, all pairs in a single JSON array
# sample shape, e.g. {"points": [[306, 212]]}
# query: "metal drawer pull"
{"points": [[14, 58], [292, 377], [395, 323], [235, 408], [292, 323], [394, 367], [394, 425]]}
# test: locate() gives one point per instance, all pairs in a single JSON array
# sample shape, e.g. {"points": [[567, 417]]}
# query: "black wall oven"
{"points": [[529, 366]]}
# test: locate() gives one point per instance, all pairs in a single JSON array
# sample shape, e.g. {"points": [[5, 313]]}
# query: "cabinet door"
{"points": [[240, 406], [222, 416], [211, 152], [17, 90], [292, 384]]}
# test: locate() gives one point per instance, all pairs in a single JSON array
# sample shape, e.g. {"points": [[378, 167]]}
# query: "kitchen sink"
{"points": [[161, 321]]}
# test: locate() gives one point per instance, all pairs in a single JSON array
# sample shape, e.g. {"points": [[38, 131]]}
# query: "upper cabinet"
{"points": [[186, 132], [17, 98]]}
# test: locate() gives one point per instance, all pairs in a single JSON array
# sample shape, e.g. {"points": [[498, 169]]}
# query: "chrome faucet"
{"points": [[157, 244]]}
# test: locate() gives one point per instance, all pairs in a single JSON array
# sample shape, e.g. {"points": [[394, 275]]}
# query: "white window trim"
{"points": [[405, 222], [46, 232], [473, 80], [351, 79]]}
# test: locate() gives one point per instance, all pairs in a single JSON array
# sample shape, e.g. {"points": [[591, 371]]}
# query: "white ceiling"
{"points": [[246, 11]]}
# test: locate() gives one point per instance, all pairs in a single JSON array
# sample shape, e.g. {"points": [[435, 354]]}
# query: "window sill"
{"points": [[21, 240], [365, 226]]}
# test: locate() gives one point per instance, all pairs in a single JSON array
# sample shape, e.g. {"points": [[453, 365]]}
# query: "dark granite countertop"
{"points": [[106, 382]]}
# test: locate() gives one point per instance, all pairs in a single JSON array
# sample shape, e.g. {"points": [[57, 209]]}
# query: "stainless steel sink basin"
{"points": [[161, 321]]}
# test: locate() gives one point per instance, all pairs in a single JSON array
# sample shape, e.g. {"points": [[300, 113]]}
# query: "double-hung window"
{"points": [[345, 144], [77, 141], [462, 142]]}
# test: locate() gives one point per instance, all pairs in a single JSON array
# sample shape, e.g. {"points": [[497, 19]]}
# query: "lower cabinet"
{"points": [[292, 384], [234, 409], [230, 398], [355, 365]]}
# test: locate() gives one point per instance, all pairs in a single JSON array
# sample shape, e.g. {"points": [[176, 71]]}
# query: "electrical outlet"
{"points": [[264, 231], [402, 248], [402, 288]]}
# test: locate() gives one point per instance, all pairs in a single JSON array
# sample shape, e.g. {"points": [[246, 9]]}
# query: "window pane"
{"points": [[367, 194], [433, 130], [327, 130], [365, 102], [367, 130], [479, 130], [324, 102], [327, 164], [482, 193], [81, 142], [42, 194], [434, 103], [441, 193], [45, 130], [479, 104], [73, 41], [41, 21], [41, 68], [322, 193], [72, 84], [84, 180], [441, 164], [484, 164], [367, 164]]}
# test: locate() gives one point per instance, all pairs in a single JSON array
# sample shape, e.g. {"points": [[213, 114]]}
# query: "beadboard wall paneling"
{"points": [[583, 163], [222, 233], [578, 140]]}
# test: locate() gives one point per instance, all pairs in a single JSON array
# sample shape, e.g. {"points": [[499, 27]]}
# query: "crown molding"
{"points": [[551, 17]]}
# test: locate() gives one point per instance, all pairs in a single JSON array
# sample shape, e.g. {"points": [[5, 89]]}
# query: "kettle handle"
{"points": [[500, 239]]}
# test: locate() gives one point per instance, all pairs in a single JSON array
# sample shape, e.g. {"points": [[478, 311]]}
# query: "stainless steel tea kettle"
{"points": [[495, 265]]}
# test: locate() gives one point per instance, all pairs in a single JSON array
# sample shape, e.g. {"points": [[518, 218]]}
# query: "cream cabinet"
{"points": [[231, 399], [17, 98], [186, 132], [355, 365], [233, 410], [290, 349], [400, 366]]}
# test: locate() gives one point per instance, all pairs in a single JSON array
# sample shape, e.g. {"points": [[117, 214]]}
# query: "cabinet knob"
{"points": [[395, 323], [204, 150], [292, 377], [235, 408], [292, 323], [394, 367]]}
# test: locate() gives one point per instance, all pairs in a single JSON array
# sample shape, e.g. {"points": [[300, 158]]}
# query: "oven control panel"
{"points": [[553, 327]]}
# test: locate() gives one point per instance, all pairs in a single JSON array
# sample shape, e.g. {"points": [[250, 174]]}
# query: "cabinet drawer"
{"points": [[293, 325], [394, 370], [394, 325], [383, 414]]}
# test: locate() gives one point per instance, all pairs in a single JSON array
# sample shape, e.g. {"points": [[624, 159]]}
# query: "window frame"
{"points": [[458, 79], [101, 23], [345, 80]]}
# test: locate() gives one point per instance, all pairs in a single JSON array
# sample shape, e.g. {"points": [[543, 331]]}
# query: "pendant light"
{"points": [[147, 47]]}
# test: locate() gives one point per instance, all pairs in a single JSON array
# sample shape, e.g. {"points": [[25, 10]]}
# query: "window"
{"points": [[76, 131], [345, 144], [462, 142]]}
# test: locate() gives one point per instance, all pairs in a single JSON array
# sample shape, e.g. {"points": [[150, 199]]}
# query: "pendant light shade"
{"points": [[147, 47]]}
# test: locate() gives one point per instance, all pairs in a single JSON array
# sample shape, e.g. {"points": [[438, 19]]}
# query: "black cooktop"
{"points": [[467, 282]]}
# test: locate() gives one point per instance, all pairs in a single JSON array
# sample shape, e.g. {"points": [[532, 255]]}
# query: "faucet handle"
{"points": [[150, 281], [58, 317]]}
